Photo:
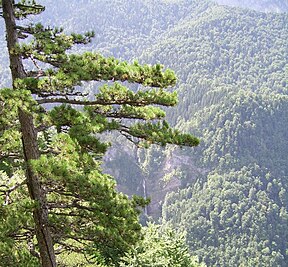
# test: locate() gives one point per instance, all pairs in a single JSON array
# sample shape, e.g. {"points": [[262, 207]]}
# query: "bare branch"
{"points": [[70, 247], [8, 191], [43, 128], [32, 250], [11, 189], [36, 64], [130, 138], [10, 155], [56, 94], [35, 74], [70, 214], [24, 235]]}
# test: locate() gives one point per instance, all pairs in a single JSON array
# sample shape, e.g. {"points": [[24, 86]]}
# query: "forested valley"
{"points": [[222, 202]]}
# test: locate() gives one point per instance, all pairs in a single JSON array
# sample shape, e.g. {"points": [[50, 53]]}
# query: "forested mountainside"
{"points": [[264, 5], [232, 66], [122, 29], [232, 69]]}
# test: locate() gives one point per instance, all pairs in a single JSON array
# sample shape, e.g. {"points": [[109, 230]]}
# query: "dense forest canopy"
{"points": [[229, 194], [278, 6]]}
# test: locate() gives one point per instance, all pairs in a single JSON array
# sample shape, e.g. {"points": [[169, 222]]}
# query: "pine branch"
{"points": [[120, 115], [22, 10], [60, 191], [23, 6], [72, 205], [32, 30], [96, 102]]}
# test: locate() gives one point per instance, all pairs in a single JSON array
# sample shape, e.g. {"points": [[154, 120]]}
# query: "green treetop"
{"points": [[55, 198], [163, 247]]}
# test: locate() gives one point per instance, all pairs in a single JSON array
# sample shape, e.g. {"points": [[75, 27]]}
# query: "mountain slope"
{"points": [[232, 66], [232, 70], [259, 5]]}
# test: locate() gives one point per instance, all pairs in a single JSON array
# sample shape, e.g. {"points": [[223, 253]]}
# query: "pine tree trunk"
{"points": [[30, 147]]}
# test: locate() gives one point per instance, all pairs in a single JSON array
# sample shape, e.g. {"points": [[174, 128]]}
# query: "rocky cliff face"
{"points": [[151, 173]]}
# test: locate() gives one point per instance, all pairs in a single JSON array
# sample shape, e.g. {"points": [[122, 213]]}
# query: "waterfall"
{"points": [[145, 195]]}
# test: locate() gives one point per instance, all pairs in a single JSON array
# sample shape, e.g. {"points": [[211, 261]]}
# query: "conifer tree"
{"points": [[55, 198]]}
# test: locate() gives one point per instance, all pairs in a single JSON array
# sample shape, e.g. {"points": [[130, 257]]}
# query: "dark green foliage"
{"points": [[90, 210], [162, 134], [15, 218], [241, 132], [236, 218], [233, 71], [163, 247]]}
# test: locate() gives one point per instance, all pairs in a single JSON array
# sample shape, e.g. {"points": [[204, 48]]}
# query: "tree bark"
{"points": [[30, 146]]}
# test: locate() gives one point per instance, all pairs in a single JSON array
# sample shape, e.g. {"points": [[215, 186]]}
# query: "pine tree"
{"points": [[55, 198], [161, 246]]}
